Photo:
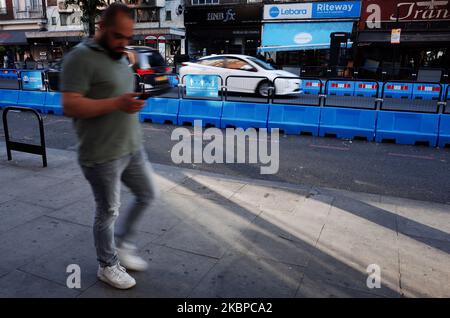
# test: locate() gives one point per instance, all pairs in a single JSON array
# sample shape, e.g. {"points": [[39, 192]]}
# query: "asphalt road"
{"points": [[415, 172]]}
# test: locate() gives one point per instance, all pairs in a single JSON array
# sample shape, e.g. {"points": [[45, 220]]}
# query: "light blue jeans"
{"points": [[136, 173]]}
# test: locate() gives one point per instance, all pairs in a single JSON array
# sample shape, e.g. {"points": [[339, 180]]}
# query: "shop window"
{"points": [[168, 15]]}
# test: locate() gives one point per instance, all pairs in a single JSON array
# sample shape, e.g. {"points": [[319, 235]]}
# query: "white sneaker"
{"points": [[116, 276], [128, 257]]}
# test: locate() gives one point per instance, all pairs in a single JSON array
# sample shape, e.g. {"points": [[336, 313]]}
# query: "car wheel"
{"points": [[263, 88]]}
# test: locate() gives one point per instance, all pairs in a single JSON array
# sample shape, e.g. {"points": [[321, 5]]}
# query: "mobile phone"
{"points": [[144, 96]]}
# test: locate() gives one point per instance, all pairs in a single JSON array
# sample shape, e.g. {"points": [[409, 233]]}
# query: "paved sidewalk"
{"points": [[217, 236]]}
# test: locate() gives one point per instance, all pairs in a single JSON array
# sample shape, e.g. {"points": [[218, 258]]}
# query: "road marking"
{"points": [[56, 121], [394, 154], [330, 147], [152, 129]]}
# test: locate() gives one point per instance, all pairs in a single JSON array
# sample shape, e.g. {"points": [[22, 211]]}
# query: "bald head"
{"points": [[116, 28]]}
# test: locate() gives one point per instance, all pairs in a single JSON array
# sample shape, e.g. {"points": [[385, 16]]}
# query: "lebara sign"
{"points": [[316, 10]]}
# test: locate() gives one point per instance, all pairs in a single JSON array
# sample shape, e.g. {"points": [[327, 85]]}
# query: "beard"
{"points": [[113, 54]]}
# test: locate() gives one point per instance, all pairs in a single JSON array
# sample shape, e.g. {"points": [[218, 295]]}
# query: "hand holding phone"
{"points": [[144, 96], [129, 103]]}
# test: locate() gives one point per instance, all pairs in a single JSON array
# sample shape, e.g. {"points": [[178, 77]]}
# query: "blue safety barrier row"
{"points": [[444, 130], [348, 123], [244, 115], [294, 120], [407, 128], [160, 110], [353, 120], [8, 97], [209, 111]]}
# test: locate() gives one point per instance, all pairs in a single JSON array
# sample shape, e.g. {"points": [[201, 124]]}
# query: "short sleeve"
{"points": [[75, 73]]}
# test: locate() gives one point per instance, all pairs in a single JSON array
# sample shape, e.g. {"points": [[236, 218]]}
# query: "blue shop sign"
{"points": [[330, 10], [313, 10]]}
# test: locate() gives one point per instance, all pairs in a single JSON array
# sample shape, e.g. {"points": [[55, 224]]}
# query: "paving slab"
{"points": [[171, 273], [241, 275]]}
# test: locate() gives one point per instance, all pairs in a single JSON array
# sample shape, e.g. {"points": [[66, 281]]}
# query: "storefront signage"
{"points": [[316, 10], [222, 15], [375, 11], [202, 85]]}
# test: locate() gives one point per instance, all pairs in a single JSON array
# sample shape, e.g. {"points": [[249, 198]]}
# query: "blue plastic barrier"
{"points": [[160, 110], [8, 97], [444, 130], [52, 103], [294, 119], [340, 88], [444, 125], [366, 89], [244, 115], [407, 128], [209, 111], [348, 122], [397, 90], [311, 86], [426, 91], [32, 99]]}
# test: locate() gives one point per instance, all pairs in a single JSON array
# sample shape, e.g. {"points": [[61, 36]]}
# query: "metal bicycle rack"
{"points": [[20, 146]]}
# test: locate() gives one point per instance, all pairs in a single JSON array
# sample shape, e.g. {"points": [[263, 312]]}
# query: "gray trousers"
{"points": [[136, 173]]}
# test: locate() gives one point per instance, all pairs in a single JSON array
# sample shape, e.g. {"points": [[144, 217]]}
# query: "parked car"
{"points": [[244, 74], [149, 64]]}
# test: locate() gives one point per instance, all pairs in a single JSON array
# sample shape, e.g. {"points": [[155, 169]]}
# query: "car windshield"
{"points": [[260, 63], [150, 59]]}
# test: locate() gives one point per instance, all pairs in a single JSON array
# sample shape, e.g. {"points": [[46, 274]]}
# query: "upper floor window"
{"points": [[27, 5], [204, 2], [3, 7], [147, 15], [168, 15]]}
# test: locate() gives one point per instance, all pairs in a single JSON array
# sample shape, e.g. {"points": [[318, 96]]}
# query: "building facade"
{"points": [[223, 26], [16, 18], [424, 41], [310, 38], [46, 29]]}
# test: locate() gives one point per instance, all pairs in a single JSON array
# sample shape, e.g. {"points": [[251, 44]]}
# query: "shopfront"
{"points": [[422, 43], [299, 35], [223, 29]]}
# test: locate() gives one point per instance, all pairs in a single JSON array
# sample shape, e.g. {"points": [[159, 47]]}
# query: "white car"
{"points": [[244, 74]]}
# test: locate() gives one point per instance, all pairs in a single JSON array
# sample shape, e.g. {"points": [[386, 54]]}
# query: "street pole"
{"points": [[394, 57]]}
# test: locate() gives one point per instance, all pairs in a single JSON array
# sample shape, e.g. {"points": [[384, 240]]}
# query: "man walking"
{"points": [[97, 91]]}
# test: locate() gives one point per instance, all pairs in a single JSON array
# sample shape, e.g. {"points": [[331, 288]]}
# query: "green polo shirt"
{"points": [[89, 70]]}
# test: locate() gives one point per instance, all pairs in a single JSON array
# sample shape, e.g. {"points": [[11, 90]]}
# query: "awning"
{"points": [[13, 37], [376, 36], [54, 34], [300, 36], [168, 33]]}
